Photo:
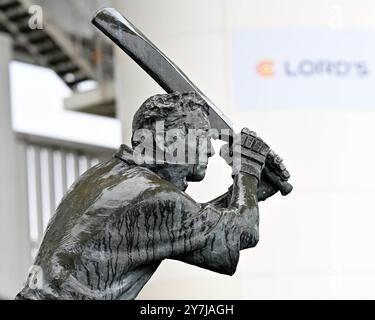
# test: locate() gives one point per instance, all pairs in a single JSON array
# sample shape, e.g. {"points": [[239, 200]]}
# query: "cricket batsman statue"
{"points": [[124, 216]]}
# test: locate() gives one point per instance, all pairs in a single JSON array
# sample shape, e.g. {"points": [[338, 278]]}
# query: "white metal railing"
{"points": [[51, 170]]}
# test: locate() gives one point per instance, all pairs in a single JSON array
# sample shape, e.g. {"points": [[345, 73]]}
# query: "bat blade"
{"points": [[135, 44]]}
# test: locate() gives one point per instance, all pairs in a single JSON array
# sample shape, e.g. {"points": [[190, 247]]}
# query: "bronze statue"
{"points": [[124, 216], [121, 219]]}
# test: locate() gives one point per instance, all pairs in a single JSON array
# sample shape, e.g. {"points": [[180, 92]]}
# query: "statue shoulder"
{"points": [[120, 184], [151, 184], [153, 189]]}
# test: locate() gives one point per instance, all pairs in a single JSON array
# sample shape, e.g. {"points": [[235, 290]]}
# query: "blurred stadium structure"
{"points": [[66, 43]]}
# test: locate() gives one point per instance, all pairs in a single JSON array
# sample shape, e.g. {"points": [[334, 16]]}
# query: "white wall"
{"points": [[14, 240], [37, 91], [317, 242]]}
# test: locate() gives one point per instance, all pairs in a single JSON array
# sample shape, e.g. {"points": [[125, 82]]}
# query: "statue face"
{"points": [[202, 148], [184, 154]]}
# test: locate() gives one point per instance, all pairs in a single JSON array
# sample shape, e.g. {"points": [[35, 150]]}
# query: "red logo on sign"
{"points": [[266, 68]]}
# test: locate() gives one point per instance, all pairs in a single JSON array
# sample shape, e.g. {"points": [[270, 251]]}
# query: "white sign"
{"points": [[304, 68]]}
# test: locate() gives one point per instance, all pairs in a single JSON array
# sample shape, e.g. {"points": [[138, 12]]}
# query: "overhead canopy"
{"points": [[67, 43]]}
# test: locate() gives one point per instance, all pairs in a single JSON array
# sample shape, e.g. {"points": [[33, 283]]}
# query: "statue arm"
{"points": [[239, 216], [236, 228], [210, 235], [265, 190], [171, 225], [223, 200]]}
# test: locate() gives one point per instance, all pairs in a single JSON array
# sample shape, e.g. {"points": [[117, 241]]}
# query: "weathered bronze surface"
{"points": [[121, 219]]}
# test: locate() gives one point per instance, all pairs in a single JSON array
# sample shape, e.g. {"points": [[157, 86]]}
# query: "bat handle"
{"points": [[284, 186]]}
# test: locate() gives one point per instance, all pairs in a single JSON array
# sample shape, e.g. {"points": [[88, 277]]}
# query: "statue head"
{"points": [[175, 132]]}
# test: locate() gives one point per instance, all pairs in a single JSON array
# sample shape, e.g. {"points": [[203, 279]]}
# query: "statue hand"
{"points": [[273, 177], [274, 170], [247, 155]]}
